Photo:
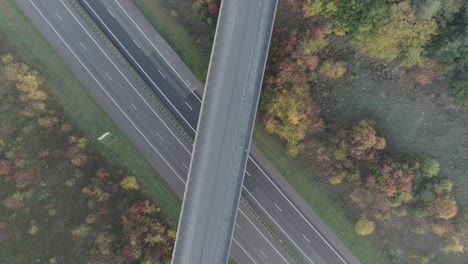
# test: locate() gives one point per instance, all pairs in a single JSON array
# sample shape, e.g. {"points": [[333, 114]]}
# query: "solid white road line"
{"points": [[108, 76], [185, 166], [133, 40], [162, 74], [245, 251], [134, 106], [263, 254], [58, 16], [238, 226], [188, 105], [278, 207], [131, 85], [246, 172], [295, 208], [159, 136], [306, 238], [83, 46], [154, 47], [282, 230], [139, 66], [110, 13], [102, 87], [262, 235], [121, 110]]}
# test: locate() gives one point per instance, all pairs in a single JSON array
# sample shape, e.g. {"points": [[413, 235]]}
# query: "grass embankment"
{"points": [[177, 36], [294, 171], [28, 43]]}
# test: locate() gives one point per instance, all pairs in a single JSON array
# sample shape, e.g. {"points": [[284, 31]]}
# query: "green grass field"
{"points": [[178, 37], [27, 43]]}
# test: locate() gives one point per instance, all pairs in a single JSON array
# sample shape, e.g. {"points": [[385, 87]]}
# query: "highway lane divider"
{"points": [[271, 231], [124, 63]]}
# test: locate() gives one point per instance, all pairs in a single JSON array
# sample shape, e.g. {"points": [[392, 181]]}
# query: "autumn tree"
{"points": [[129, 183], [364, 226], [445, 207], [147, 236], [289, 110], [5, 167], [364, 141], [333, 69]]}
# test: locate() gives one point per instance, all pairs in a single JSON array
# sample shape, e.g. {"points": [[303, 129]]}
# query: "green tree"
{"points": [[350, 16], [451, 49], [459, 93], [398, 34], [429, 168]]}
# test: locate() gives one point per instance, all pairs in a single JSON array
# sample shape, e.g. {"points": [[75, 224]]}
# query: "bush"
{"points": [[444, 187], [445, 207], [441, 229], [429, 168], [314, 45], [341, 152], [454, 245], [364, 226], [129, 183], [338, 177], [333, 69], [460, 93]]}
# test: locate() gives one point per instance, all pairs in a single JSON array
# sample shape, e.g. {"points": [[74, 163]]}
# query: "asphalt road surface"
{"points": [[158, 140]]}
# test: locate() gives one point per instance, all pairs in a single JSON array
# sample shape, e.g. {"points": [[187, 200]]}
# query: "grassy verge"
{"points": [[177, 37], [33, 49], [297, 173]]}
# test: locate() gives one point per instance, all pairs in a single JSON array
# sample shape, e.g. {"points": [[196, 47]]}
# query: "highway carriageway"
{"points": [[109, 83], [131, 40]]}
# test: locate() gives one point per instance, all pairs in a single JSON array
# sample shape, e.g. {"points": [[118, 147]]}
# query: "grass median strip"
{"points": [[26, 42], [177, 37]]}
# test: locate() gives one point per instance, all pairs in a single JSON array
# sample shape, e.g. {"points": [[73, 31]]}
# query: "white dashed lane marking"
{"points": [[136, 44], [58, 16], [263, 254], [108, 76], [83, 46], [188, 105], [278, 207]]}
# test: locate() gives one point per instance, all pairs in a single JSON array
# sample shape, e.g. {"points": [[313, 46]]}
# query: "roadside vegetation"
{"points": [[19, 37], [364, 109], [60, 200]]}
